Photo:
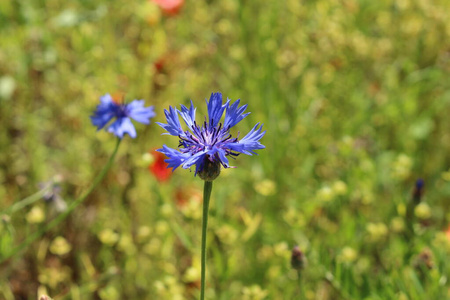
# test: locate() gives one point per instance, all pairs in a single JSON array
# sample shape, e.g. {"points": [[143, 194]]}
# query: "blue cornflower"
{"points": [[108, 109], [208, 146]]}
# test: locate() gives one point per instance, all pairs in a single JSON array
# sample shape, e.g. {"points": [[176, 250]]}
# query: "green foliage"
{"points": [[354, 96]]}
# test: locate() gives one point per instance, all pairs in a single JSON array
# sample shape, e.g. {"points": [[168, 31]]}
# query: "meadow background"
{"points": [[355, 98]]}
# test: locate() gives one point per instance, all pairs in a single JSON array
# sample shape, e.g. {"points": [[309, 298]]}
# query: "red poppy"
{"points": [[170, 7], [159, 167]]}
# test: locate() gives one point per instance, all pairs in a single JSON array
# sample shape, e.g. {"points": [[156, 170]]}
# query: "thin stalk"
{"points": [[25, 202], [31, 238], [330, 279], [300, 285], [206, 196]]}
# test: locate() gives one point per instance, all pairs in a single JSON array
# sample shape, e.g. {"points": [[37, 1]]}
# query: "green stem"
{"points": [[31, 238], [336, 287], [300, 285], [206, 196], [25, 202]]}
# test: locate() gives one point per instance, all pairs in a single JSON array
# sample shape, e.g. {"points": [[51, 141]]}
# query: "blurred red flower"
{"points": [[183, 195], [159, 65], [447, 232], [159, 167], [170, 7]]}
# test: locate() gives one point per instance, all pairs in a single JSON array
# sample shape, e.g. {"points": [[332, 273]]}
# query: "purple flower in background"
{"points": [[208, 146], [109, 109]]}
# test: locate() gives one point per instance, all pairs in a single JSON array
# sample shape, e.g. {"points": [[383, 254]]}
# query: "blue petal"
{"points": [[223, 158], [176, 158], [173, 126], [194, 159], [250, 142], [107, 105], [138, 112], [198, 159], [188, 115], [122, 126], [100, 120], [234, 114], [215, 109], [106, 99], [104, 112], [221, 155]]}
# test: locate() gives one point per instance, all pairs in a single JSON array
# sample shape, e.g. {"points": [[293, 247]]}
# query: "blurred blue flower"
{"points": [[209, 146], [109, 109], [52, 194]]}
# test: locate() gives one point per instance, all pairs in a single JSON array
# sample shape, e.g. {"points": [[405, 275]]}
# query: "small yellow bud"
{"points": [[161, 227], [108, 237], [340, 187], [191, 275], [254, 292], [325, 194], [348, 255], [143, 233], [266, 187], [159, 286], [397, 224], [153, 247], [60, 246], [166, 210], [126, 244], [35, 215], [376, 231], [282, 249], [109, 292], [422, 211], [402, 166]]}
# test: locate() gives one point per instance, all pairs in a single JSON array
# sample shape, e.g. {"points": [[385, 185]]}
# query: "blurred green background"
{"points": [[355, 98]]}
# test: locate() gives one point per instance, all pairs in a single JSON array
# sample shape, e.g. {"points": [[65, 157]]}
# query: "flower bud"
{"points": [[298, 259], [418, 191], [210, 171], [424, 260]]}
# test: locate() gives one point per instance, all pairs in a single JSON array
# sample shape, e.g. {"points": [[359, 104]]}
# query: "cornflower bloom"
{"points": [[109, 109], [208, 146]]}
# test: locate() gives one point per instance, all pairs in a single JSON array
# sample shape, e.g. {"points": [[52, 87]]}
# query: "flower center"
{"points": [[121, 111]]}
